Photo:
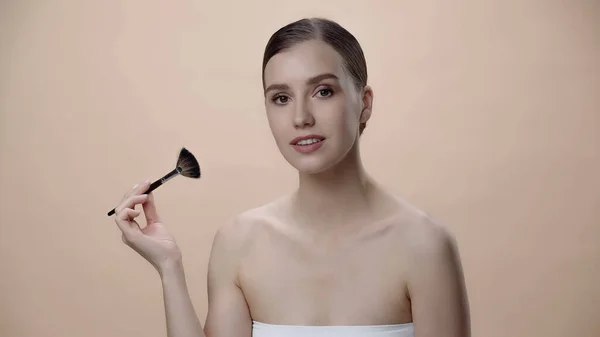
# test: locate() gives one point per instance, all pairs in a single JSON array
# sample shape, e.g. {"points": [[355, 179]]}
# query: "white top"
{"points": [[273, 330]]}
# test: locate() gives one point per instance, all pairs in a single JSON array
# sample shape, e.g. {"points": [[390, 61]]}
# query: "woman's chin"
{"points": [[315, 163], [308, 166]]}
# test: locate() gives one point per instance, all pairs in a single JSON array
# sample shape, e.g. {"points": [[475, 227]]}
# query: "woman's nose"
{"points": [[303, 116]]}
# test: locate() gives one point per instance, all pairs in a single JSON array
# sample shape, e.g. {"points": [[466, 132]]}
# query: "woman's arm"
{"points": [[436, 286], [181, 317], [228, 313]]}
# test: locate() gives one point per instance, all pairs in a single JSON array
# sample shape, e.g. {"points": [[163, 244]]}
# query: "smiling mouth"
{"points": [[309, 141]]}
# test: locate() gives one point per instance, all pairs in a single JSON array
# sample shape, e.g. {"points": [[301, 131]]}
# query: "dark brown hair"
{"points": [[329, 32]]}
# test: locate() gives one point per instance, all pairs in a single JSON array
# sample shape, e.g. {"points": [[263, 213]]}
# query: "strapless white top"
{"points": [[273, 330]]}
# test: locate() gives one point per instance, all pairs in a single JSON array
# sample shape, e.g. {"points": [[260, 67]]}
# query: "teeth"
{"points": [[308, 141]]}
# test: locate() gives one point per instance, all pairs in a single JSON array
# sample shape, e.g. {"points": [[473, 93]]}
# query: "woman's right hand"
{"points": [[152, 241]]}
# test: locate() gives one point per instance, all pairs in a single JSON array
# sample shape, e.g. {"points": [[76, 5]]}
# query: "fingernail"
{"points": [[135, 186]]}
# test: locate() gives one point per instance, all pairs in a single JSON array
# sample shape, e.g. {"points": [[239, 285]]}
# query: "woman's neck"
{"points": [[341, 196]]}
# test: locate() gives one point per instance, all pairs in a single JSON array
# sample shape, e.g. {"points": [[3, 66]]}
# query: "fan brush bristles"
{"points": [[187, 165]]}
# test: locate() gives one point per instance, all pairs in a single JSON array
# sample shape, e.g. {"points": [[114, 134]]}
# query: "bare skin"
{"points": [[339, 250], [401, 268], [355, 276]]}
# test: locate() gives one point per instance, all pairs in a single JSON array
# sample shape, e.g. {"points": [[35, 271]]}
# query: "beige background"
{"points": [[487, 115]]}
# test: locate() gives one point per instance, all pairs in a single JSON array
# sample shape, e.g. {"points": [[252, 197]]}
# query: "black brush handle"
{"points": [[155, 184]]}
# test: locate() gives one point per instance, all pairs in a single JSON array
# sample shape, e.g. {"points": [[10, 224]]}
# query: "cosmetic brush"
{"points": [[187, 166]]}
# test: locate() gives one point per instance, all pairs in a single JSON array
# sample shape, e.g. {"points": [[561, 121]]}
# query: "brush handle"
{"points": [[156, 184]]}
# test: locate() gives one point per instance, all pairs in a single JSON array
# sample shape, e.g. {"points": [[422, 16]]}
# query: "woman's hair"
{"points": [[329, 32]]}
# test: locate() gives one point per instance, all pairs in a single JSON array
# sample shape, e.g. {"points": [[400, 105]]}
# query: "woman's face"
{"points": [[313, 107]]}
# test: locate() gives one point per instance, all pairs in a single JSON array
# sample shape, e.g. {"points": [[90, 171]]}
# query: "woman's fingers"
{"points": [[127, 224], [131, 202], [135, 190], [150, 210], [125, 213]]}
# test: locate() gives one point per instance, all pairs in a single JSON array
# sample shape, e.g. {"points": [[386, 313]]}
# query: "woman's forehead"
{"points": [[303, 61]]}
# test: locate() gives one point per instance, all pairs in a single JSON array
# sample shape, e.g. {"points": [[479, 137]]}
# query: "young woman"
{"points": [[339, 256]]}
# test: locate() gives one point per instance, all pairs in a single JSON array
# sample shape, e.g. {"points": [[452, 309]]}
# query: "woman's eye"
{"points": [[325, 92], [280, 99]]}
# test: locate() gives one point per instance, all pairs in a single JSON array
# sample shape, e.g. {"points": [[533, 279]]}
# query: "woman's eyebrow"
{"points": [[319, 78], [312, 80]]}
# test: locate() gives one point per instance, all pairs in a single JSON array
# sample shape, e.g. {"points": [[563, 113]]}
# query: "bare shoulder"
{"points": [[423, 234], [431, 236], [435, 279], [239, 233], [232, 241], [228, 311]]}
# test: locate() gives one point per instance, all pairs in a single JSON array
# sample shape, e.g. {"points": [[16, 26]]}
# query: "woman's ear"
{"points": [[367, 104]]}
